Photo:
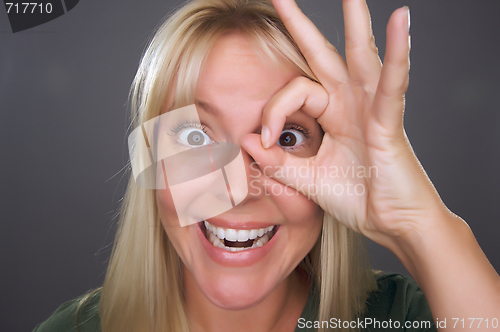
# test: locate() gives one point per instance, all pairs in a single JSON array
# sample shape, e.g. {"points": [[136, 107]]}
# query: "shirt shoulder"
{"points": [[65, 318], [401, 301], [398, 304]]}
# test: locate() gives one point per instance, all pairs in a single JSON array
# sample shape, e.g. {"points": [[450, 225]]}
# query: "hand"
{"points": [[359, 104]]}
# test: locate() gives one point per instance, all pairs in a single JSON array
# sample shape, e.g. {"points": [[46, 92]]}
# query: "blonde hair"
{"points": [[143, 288]]}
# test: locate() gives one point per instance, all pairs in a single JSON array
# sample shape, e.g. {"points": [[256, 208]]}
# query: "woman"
{"points": [[257, 76]]}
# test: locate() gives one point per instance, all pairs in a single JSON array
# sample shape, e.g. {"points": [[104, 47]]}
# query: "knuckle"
{"points": [[373, 45], [301, 82], [330, 46], [362, 45], [395, 90]]}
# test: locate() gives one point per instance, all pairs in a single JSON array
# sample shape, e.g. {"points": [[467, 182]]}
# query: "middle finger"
{"points": [[324, 60]]}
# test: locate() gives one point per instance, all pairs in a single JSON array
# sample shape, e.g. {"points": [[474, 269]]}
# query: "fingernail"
{"points": [[408, 21], [265, 136]]}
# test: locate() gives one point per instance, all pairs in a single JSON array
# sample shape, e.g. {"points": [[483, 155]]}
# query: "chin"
{"points": [[235, 292]]}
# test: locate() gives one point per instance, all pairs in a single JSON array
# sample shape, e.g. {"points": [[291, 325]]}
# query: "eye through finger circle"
{"points": [[290, 139]]}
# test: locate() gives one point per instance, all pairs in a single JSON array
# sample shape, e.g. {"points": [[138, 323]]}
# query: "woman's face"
{"points": [[233, 88]]}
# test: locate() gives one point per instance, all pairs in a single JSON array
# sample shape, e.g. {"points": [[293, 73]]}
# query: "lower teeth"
{"points": [[216, 242]]}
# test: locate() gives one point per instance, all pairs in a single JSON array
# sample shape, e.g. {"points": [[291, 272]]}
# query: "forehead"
{"points": [[233, 71]]}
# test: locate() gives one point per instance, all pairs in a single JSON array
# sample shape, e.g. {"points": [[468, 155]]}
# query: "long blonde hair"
{"points": [[143, 288]]}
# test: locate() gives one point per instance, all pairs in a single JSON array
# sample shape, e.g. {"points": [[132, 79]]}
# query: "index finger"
{"points": [[299, 94], [323, 58]]}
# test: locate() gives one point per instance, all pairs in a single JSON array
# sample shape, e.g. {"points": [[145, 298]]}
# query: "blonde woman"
{"points": [[260, 73]]}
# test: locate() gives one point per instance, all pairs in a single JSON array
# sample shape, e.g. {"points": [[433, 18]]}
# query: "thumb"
{"points": [[290, 170]]}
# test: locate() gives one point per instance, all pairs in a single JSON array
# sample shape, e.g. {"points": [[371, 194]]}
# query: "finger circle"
{"points": [[300, 94]]}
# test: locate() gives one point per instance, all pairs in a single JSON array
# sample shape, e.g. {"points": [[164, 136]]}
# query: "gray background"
{"points": [[63, 94]]}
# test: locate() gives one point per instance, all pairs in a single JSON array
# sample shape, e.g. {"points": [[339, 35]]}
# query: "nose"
{"points": [[255, 178], [235, 126]]}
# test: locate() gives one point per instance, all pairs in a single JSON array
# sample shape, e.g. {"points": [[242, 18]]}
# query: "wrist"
{"points": [[451, 269], [423, 247]]}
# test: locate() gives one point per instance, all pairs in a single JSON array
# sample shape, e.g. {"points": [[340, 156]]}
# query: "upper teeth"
{"points": [[234, 235]]}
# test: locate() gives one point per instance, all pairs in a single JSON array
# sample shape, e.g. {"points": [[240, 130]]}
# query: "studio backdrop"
{"points": [[64, 123]]}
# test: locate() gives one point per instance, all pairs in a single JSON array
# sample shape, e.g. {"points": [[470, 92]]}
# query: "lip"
{"points": [[236, 259]]}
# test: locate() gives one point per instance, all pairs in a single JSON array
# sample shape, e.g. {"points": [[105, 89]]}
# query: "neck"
{"points": [[278, 312]]}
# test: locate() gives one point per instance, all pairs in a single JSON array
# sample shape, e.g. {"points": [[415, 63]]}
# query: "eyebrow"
{"points": [[209, 108]]}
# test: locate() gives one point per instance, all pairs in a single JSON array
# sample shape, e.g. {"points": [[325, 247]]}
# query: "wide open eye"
{"points": [[194, 137], [290, 138]]}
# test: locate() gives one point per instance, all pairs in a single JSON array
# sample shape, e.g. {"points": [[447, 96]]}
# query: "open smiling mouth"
{"points": [[237, 240]]}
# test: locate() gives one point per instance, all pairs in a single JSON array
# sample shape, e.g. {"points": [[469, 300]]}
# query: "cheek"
{"points": [[304, 219], [297, 208], [178, 236], [166, 208]]}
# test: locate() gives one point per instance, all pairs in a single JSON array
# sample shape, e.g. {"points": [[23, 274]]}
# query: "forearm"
{"points": [[453, 272]]}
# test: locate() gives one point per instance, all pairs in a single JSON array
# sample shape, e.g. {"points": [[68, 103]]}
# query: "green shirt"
{"points": [[398, 305], [398, 300]]}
